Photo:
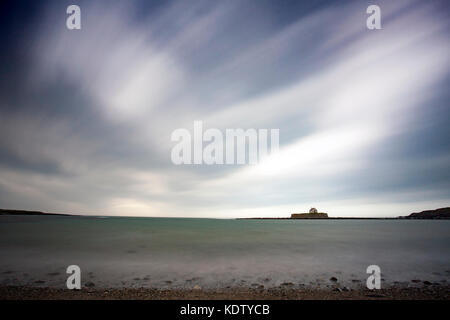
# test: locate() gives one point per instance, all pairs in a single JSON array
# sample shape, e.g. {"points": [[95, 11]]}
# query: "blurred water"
{"points": [[166, 253]]}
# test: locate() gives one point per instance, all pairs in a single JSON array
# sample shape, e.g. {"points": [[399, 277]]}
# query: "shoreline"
{"points": [[233, 293], [414, 216]]}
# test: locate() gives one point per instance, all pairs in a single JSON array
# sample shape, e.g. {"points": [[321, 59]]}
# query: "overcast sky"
{"points": [[86, 115]]}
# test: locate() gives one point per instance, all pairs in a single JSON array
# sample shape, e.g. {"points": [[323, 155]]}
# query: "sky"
{"points": [[86, 116]]}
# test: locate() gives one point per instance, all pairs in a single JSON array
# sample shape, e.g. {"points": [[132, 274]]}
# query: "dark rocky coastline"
{"points": [[29, 213], [441, 213]]}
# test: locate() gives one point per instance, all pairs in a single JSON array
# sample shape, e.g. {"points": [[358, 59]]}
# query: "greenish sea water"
{"points": [[182, 253]]}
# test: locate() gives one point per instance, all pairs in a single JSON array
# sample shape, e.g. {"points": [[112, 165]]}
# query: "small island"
{"points": [[312, 214]]}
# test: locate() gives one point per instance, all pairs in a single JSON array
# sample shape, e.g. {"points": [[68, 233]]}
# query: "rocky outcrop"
{"points": [[29, 213], [442, 213]]}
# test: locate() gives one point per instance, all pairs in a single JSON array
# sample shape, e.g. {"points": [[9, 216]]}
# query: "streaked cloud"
{"points": [[92, 132]]}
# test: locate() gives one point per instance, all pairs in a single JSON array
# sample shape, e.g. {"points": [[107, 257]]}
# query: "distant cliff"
{"points": [[316, 215], [29, 213], [442, 213]]}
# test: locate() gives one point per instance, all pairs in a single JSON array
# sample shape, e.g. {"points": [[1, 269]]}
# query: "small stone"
{"points": [[427, 283], [415, 280], [345, 289], [334, 279], [197, 287], [89, 284], [287, 284], [337, 289]]}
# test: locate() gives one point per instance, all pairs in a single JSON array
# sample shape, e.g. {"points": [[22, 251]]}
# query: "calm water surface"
{"points": [[165, 253]]}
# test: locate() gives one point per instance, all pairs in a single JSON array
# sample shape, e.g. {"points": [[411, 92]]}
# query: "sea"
{"points": [[165, 253]]}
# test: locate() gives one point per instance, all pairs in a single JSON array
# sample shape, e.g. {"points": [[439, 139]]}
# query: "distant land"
{"points": [[436, 214], [31, 213], [441, 213]]}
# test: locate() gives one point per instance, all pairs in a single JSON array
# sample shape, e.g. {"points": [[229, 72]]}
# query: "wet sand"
{"points": [[237, 293]]}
